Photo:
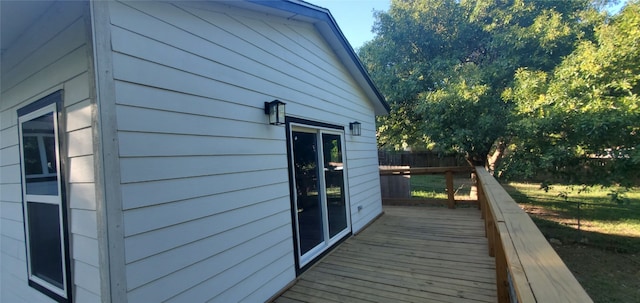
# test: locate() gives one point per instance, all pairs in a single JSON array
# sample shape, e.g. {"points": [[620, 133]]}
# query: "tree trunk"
{"points": [[475, 160], [492, 161]]}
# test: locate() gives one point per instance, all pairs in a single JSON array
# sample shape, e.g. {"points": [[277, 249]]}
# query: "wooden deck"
{"points": [[410, 254]]}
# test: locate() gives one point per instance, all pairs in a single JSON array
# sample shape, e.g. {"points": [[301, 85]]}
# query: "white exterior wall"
{"points": [[204, 176], [53, 55]]}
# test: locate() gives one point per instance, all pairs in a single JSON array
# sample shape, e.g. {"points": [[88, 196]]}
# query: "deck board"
{"points": [[411, 254]]}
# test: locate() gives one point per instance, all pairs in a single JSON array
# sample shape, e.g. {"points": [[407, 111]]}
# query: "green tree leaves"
{"points": [[556, 82], [585, 110], [444, 66]]}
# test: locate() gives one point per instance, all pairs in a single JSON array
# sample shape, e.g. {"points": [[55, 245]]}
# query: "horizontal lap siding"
{"points": [[52, 56], [328, 93], [204, 177]]}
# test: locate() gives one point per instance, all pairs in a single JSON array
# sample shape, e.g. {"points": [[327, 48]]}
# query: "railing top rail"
{"points": [[424, 170], [537, 272]]}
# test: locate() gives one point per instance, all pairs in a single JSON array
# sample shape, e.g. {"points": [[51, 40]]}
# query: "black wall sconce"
{"points": [[355, 128], [276, 112]]}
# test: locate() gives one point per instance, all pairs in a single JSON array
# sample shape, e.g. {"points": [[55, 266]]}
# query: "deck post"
{"points": [[484, 209], [450, 193], [491, 233], [502, 282], [481, 201]]}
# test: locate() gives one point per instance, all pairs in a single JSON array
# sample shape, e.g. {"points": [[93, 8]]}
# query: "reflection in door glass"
{"points": [[40, 161], [334, 180], [305, 159]]}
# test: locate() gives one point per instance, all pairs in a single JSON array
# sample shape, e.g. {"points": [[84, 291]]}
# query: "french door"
{"points": [[320, 201]]}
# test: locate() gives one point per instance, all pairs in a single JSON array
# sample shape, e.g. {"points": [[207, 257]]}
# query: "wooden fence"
{"points": [[396, 185], [419, 159]]}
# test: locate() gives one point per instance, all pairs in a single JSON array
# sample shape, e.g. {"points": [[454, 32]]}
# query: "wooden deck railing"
{"points": [[447, 171], [527, 267]]}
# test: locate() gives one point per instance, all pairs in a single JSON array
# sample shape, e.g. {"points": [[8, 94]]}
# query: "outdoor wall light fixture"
{"points": [[276, 112], [355, 128]]}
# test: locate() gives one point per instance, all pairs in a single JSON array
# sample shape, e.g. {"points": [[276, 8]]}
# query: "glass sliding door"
{"points": [[309, 206], [320, 200], [334, 183]]}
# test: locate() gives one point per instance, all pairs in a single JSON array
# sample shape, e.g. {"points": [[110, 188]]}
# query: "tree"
{"points": [[587, 109], [444, 66]]}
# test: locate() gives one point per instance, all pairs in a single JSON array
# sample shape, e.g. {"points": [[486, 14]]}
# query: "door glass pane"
{"points": [[32, 160], [50, 151], [44, 241], [334, 179], [309, 210], [40, 161]]}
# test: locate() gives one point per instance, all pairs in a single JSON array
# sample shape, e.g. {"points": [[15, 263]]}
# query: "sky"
{"points": [[355, 17]]}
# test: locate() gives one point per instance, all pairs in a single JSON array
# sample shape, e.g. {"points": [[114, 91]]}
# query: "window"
{"points": [[43, 198]]}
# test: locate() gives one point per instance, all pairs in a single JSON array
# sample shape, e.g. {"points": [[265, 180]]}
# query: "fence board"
{"points": [[419, 159]]}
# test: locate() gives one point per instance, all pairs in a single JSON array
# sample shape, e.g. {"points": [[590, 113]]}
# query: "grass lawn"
{"points": [[435, 187], [600, 238], [587, 214]]}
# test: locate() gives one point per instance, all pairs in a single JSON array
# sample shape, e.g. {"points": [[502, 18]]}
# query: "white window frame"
{"points": [[32, 111]]}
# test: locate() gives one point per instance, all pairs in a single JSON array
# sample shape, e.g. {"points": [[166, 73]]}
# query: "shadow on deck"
{"points": [[410, 254]]}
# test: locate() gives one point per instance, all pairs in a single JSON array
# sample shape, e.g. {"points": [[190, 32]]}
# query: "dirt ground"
{"points": [[606, 276]]}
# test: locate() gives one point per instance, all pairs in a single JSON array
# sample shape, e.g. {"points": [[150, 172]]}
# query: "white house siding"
{"points": [[298, 67], [204, 177], [52, 55]]}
